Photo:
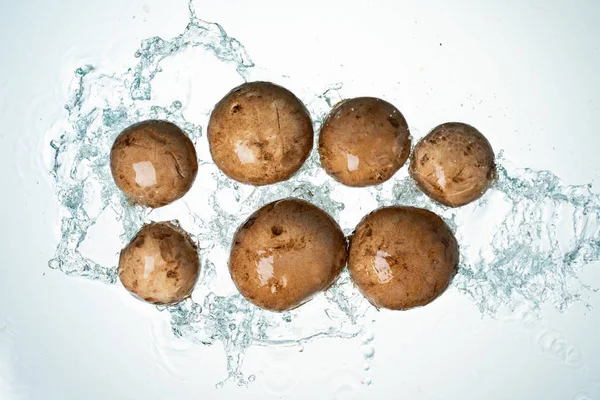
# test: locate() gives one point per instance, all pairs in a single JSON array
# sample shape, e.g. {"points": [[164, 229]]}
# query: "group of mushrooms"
{"points": [[287, 251]]}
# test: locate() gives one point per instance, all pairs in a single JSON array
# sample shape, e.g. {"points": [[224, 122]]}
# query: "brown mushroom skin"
{"points": [[364, 141], [402, 257], [160, 265], [454, 164], [260, 134], [285, 253], [154, 163]]}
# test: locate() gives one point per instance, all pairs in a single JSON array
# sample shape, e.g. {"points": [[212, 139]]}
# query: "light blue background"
{"points": [[525, 73]]}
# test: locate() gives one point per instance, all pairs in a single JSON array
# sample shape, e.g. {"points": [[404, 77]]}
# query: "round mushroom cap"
{"points": [[402, 257], [260, 133], [364, 141], [285, 253], [154, 163], [160, 265], [454, 164]]}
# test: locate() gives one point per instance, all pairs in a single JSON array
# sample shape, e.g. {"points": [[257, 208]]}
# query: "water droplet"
{"points": [[574, 357], [530, 319], [176, 104], [552, 344], [251, 378], [219, 385], [368, 351], [368, 381]]}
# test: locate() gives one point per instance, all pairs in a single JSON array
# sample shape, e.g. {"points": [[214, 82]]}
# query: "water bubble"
{"points": [[209, 301], [530, 319], [82, 71], [368, 381], [574, 357], [368, 337], [367, 351], [219, 385], [176, 105], [552, 344], [251, 378]]}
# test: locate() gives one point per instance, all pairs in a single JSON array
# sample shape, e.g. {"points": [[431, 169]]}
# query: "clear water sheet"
{"points": [[523, 243]]}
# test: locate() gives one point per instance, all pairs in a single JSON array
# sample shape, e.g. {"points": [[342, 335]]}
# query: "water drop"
{"points": [[552, 344], [573, 357], [367, 351]]}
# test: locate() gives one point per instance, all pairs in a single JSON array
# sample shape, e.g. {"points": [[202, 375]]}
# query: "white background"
{"points": [[523, 72]]}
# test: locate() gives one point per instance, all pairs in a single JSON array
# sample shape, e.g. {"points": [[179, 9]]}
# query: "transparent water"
{"points": [[523, 243]]}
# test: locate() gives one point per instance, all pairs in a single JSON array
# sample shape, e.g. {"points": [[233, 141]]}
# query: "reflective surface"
{"points": [[260, 133], [364, 141], [402, 257], [285, 253], [153, 162], [453, 164], [160, 265]]}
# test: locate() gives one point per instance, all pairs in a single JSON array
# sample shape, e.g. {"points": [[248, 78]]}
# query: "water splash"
{"points": [[526, 239]]}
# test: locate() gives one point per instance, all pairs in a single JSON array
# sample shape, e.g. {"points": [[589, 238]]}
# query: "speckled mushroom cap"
{"points": [[260, 133], [364, 141], [154, 163], [402, 257], [160, 265], [285, 253], [453, 164]]}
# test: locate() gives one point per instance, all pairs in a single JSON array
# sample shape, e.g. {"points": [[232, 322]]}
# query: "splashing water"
{"points": [[526, 239]]}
